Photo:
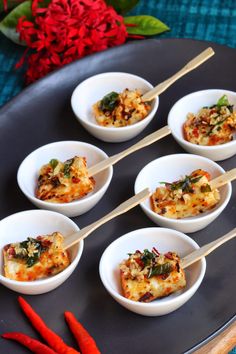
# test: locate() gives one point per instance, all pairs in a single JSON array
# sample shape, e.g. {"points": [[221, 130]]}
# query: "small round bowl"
{"points": [[192, 103], [28, 174], [32, 223], [171, 168], [164, 240], [94, 89]]}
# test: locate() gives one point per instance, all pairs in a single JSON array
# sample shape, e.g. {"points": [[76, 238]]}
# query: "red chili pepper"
{"points": [[47, 334], [34, 345], [169, 255], [85, 341], [75, 179], [196, 132], [212, 111], [139, 262], [145, 297], [155, 251]]}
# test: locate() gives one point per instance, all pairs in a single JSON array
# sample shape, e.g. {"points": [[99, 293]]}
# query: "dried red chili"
{"points": [[169, 255], [154, 250], [145, 297]]}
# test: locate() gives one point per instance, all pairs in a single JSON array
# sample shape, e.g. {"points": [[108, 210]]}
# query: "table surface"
{"points": [[213, 20]]}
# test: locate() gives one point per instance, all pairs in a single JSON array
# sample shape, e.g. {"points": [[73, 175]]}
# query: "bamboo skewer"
{"points": [[137, 199], [191, 65], [205, 250], [208, 248], [122, 208], [151, 138], [223, 179]]}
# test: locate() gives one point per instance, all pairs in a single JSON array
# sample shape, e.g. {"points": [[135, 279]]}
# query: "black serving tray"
{"points": [[42, 114]]}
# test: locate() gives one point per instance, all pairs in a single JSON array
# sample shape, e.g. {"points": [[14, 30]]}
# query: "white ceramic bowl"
{"points": [[192, 103], [28, 174], [171, 168], [164, 240], [94, 89], [32, 223]]}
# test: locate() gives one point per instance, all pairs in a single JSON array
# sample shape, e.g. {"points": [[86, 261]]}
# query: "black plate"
{"points": [[42, 114]]}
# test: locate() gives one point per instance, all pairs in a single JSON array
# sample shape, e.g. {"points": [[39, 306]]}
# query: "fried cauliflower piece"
{"points": [[64, 182], [121, 109], [146, 276], [213, 125], [35, 258], [187, 197]]}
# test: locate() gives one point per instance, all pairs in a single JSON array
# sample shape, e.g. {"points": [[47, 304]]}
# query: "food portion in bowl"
{"points": [[64, 182], [35, 258], [212, 125], [121, 109], [148, 275], [189, 196]]}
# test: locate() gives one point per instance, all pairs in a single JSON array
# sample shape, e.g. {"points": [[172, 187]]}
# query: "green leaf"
{"points": [[67, 166], [122, 6], [223, 101], [160, 269], [147, 257], [53, 163], [109, 102], [9, 23], [145, 25], [206, 188]]}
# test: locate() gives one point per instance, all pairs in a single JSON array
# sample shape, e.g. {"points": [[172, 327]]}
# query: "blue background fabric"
{"points": [[209, 20], [213, 20]]}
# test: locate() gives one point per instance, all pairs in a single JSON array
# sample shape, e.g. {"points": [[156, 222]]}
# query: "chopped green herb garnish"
{"points": [[31, 250], [53, 163], [147, 257], [32, 260], [220, 122], [67, 166], [206, 188], [185, 184], [210, 132], [195, 179], [109, 102], [223, 101], [160, 269], [24, 244], [216, 126]]}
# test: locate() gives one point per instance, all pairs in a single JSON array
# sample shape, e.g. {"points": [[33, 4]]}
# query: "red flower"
{"points": [[67, 30], [5, 5]]}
